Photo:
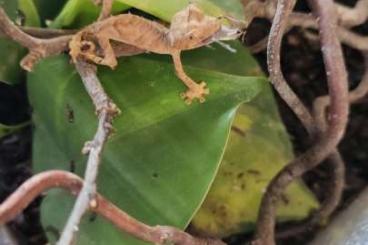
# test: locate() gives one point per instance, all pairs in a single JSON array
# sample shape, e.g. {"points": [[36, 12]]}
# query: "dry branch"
{"points": [[38, 48], [347, 17], [314, 126], [337, 82], [106, 111], [44, 181]]}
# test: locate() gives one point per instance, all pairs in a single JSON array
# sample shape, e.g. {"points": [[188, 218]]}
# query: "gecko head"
{"points": [[81, 47], [191, 28]]}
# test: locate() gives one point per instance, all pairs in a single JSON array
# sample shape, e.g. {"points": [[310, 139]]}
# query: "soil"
{"points": [[303, 68]]}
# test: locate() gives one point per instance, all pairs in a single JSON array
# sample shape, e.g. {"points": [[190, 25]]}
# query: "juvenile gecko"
{"points": [[189, 29]]}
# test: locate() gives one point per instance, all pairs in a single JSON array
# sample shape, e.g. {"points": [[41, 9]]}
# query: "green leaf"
{"points": [[10, 7], [78, 13], [28, 8], [232, 7], [48, 10], [160, 163], [11, 52], [8, 129], [165, 9]]}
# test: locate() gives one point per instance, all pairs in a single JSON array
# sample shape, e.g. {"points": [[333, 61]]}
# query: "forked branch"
{"points": [[33, 187]]}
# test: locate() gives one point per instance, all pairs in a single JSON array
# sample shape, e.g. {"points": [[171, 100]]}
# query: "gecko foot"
{"points": [[199, 91]]}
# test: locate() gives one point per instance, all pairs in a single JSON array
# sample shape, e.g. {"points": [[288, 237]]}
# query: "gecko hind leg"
{"points": [[109, 54], [195, 90]]}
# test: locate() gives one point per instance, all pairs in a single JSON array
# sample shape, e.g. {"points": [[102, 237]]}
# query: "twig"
{"points": [[38, 48], [337, 82], [44, 181], [274, 66], [348, 17], [106, 111], [46, 33], [42, 32], [314, 127]]}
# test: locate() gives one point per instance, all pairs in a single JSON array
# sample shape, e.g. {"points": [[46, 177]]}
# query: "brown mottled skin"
{"points": [[189, 29]]}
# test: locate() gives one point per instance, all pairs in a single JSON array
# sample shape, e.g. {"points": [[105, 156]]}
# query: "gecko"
{"points": [[190, 28]]}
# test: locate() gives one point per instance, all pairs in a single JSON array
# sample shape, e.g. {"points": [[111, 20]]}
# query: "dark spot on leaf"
{"points": [[69, 113], [253, 172], [53, 231], [238, 131], [155, 175], [92, 217], [72, 166], [242, 187], [228, 173], [240, 175], [285, 199]]}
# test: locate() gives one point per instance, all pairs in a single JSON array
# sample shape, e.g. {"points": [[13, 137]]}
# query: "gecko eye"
{"points": [[87, 46], [191, 37]]}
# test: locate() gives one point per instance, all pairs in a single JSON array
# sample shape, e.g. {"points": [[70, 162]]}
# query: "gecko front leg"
{"points": [[106, 8], [195, 90]]}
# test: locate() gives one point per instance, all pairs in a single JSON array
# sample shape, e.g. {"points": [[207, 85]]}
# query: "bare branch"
{"points": [[106, 111], [274, 66], [39, 48], [44, 181], [348, 17]]}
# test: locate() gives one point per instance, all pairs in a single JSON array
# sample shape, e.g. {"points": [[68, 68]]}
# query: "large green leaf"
{"points": [[160, 163]]}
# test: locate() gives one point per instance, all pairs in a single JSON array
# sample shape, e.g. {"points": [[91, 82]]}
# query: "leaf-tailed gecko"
{"points": [[189, 29]]}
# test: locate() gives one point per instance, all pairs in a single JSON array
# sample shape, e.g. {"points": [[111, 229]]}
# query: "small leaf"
{"points": [[78, 13], [8, 129], [165, 9], [28, 8], [48, 10], [11, 52], [232, 7]]}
